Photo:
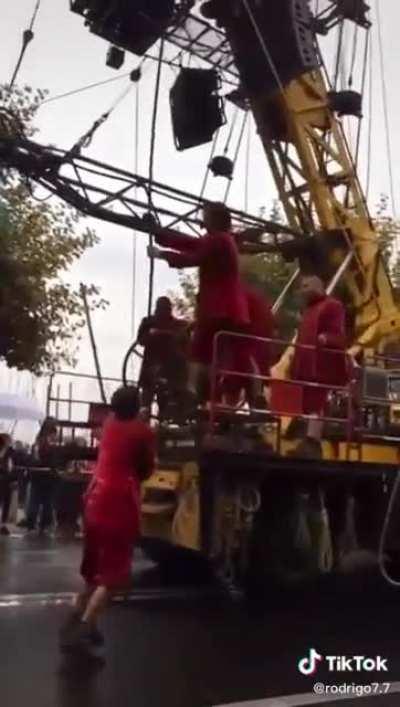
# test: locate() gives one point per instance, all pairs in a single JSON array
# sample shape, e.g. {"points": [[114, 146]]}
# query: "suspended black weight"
{"points": [[355, 10], [196, 108], [346, 103], [115, 57], [222, 166]]}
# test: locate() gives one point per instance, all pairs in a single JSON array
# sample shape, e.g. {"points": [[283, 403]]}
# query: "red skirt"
{"points": [[111, 529]]}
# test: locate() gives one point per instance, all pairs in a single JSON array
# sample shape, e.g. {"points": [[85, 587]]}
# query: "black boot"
{"points": [[70, 628]]}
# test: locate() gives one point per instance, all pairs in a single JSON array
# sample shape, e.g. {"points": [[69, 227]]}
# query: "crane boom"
{"points": [[273, 48], [106, 192], [308, 153]]}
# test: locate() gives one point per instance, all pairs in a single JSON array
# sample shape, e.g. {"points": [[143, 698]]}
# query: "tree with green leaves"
{"points": [[389, 235], [40, 314]]}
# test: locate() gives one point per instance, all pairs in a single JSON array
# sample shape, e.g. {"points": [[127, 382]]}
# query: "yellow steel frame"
{"points": [[319, 189]]}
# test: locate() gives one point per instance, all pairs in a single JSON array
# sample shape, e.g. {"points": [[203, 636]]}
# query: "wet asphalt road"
{"points": [[199, 650]]}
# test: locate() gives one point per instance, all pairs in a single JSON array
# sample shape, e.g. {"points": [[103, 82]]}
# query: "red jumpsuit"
{"points": [[112, 504], [222, 303], [324, 316], [261, 325]]}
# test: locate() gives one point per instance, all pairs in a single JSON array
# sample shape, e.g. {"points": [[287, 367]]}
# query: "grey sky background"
{"points": [[64, 56]]}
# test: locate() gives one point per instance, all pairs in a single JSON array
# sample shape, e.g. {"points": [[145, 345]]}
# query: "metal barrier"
{"points": [[54, 401], [218, 372]]}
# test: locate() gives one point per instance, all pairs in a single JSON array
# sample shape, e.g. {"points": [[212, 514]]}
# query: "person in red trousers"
{"points": [[261, 326], [111, 516], [323, 328]]}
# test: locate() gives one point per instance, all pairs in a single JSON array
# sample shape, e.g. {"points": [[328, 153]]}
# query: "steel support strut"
{"points": [[109, 193]]}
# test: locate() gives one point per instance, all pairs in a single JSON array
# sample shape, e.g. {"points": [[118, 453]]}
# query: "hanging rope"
{"points": [[207, 172], [151, 168], [356, 155], [213, 150], [134, 248], [338, 54], [367, 58], [27, 37], [238, 146], [231, 131], [89, 86], [353, 56], [87, 138], [385, 106], [247, 168], [370, 121]]}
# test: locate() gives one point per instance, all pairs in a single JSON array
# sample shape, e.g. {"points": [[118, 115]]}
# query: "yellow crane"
{"points": [[309, 156], [242, 507], [234, 506]]}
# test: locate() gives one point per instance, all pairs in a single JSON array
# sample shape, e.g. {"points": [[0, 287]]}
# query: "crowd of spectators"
{"points": [[39, 488]]}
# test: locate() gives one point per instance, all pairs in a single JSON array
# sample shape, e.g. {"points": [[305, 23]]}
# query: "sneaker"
{"points": [[69, 624], [69, 627], [96, 637], [76, 638], [4, 530]]}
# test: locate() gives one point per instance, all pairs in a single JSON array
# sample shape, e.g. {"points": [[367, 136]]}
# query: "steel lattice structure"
{"points": [[109, 193]]}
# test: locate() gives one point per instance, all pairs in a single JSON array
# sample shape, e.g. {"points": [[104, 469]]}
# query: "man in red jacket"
{"points": [[323, 328], [222, 304]]}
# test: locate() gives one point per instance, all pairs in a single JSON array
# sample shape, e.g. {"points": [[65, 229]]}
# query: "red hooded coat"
{"points": [[324, 316], [112, 505], [221, 303]]}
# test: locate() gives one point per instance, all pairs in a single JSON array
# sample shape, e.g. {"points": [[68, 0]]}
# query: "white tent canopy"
{"points": [[16, 407]]}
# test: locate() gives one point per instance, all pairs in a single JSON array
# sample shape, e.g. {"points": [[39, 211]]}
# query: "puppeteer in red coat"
{"points": [[112, 505], [222, 304], [111, 519], [322, 328]]}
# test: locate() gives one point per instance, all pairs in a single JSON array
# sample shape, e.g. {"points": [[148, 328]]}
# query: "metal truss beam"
{"points": [[111, 194], [188, 32], [339, 10], [205, 42]]}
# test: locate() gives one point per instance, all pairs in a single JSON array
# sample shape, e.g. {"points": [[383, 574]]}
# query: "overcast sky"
{"points": [[65, 56]]}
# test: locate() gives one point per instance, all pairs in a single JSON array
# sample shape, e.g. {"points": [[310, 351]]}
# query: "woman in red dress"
{"points": [[111, 515]]}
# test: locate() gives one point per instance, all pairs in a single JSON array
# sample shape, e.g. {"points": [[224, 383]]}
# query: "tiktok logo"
{"points": [[308, 665]]}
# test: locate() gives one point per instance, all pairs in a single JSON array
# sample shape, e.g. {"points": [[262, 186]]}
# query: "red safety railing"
{"points": [[218, 372]]}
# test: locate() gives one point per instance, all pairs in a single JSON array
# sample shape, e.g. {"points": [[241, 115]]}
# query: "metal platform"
{"points": [[207, 43], [291, 468]]}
